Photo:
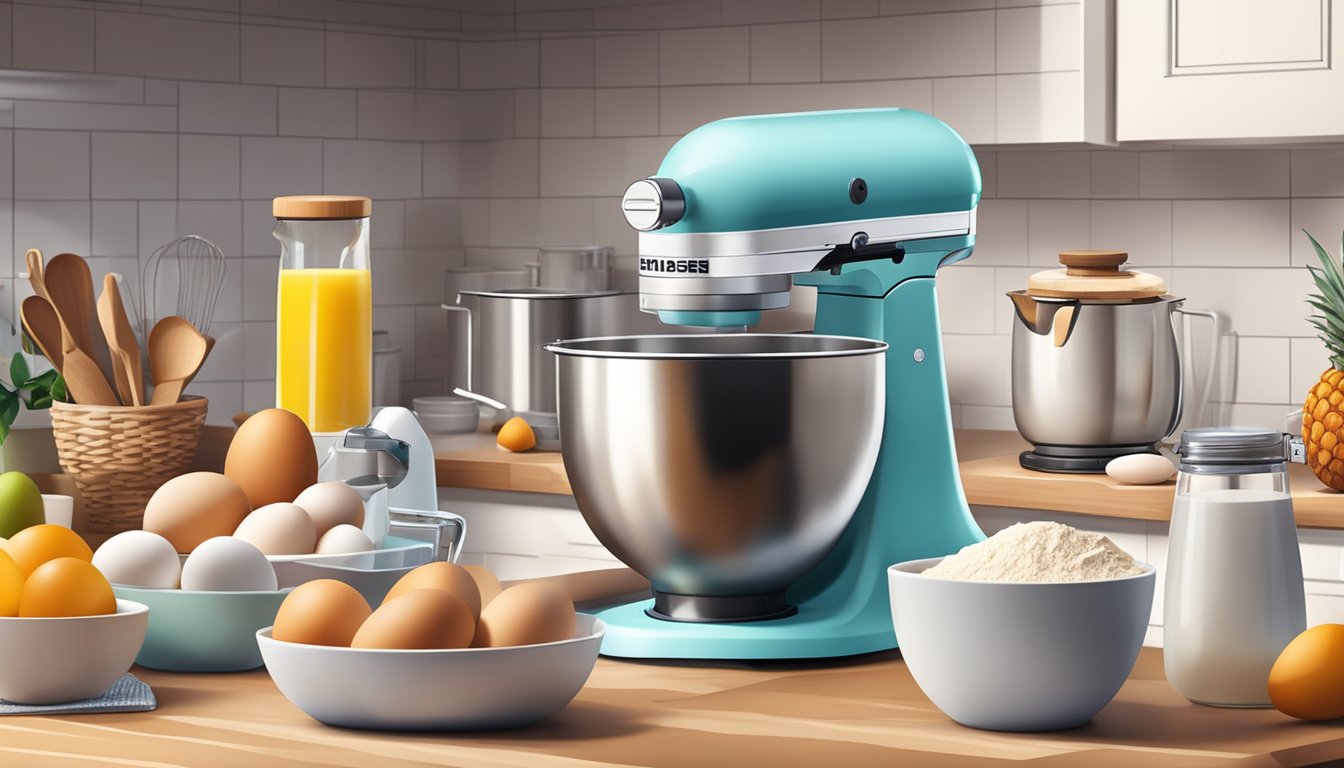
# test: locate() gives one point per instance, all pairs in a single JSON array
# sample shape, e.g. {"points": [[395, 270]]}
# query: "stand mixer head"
{"points": [[865, 205]]}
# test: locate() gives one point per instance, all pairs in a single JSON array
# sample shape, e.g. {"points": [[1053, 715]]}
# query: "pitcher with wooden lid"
{"points": [[324, 310], [1096, 366]]}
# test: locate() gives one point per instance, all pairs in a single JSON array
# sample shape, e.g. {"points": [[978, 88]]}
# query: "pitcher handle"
{"points": [[1219, 322], [467, 311]]}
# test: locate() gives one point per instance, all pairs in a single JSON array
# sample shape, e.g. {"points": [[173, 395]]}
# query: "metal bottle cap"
{"points": [[1219, 450]]}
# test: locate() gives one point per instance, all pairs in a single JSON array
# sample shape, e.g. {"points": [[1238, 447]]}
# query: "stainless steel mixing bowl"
{"points": [[721, 467]]}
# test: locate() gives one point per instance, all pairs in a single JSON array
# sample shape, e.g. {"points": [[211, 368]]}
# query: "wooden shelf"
{"points": [[989, 473]]}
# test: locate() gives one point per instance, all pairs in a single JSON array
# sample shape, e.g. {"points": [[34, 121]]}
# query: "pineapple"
{"points": [[1323, 412]]}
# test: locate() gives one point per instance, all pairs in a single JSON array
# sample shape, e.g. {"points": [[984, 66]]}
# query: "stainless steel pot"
{"points": [[1096, 379], [507, 330], [721, 467]]}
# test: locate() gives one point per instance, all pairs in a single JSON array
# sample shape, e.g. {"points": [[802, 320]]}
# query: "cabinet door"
{"points": [[1229, 69]]}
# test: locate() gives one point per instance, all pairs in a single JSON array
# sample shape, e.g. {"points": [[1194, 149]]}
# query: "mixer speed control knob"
{"points": [[653, 203]]}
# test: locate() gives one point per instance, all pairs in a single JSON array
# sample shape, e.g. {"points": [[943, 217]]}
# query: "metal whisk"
{"points": [[200, 271]]}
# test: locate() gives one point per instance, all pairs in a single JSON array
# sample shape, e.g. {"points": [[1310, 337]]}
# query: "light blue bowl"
{"points": [[192, 631]]}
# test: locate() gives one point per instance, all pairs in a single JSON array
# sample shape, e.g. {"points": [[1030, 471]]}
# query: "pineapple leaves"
{"points": [[1329, 303]]}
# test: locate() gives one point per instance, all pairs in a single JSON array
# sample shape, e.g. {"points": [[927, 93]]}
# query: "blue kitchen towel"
{"points": [[128, 694]]}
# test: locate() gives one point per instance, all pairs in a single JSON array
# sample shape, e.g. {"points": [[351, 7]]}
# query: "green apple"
{"points": [[20, 504]]}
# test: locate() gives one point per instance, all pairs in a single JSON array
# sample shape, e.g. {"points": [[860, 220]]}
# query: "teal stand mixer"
{"points": [[865, 205]]}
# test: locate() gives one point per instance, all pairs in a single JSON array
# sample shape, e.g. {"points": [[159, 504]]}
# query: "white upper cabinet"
{"points": [[1229, 69]]}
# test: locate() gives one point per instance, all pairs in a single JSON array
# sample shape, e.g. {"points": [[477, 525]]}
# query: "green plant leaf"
{"points": [[59, 391], [18, 369]]}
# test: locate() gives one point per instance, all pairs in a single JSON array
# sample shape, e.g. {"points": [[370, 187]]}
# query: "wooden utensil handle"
{"points": [[1089, 263]]}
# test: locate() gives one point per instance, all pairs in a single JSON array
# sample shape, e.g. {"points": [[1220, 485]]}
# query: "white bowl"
{"points": [[56, 660], [1019, 657], [465, 689]]}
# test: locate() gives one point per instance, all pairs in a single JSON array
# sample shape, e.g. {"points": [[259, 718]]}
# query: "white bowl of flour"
{"points": [[1034, 629]]}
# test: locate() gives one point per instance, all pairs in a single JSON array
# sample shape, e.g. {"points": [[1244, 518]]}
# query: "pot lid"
{"points": [[1094, 275]]}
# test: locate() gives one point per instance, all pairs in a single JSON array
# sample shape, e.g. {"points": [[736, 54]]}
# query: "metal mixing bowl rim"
{"points": [[537, 293], [862, 347]]}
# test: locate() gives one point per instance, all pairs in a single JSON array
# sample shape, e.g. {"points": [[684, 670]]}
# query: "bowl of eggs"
{"points": [[65, 635], [448, 650]]}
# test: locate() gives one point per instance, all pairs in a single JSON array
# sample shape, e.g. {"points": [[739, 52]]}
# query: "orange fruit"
{"points": [[67, 586], [34, 546], [516, 435]]}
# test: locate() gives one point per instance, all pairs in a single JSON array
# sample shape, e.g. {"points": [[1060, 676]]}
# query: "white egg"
{"points": [[139, 559], [1141, 469], [279, 529], [343, 539], [228, 564], [331, 504]]}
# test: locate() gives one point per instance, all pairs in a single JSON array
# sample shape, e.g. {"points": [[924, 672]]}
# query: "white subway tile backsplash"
{"points": [[1263, 370], [1215, 173], [1232, 233], [52, 227], [326, 113], [391, 229], [496, 64], [499, 168], [704, 56], [220, 222], [1046, 107], [166, 46], [374, 168], [848, 9], [207, 167], [684, 108], [134, 166], [966, 299], [1041, 39], [259, 362], [1260, 301], [1323, 217], [1308, 359], [567, 62], [95, 117], [114, 230], [433, 224], [626, 59], [1141, 228], [486, 115], [786, 53], [157, 225], [1001, 232], [527, 113], [1115, 173], [593, 167], [626, 111], [1054, 226], [567, 112], [768, 11], [234, 109], [438, 64], [1318, 172], [53, 38], [442, 169], [369, 61], [273, 166], [282, 55], [226, 357], [1043, 174], [257, 226], [909, 46], [387, 115], [51, 165], [987, 417], [1008, 279], [968, 359], [259, 288], [966, 104], [902, 7], [161, 92]]}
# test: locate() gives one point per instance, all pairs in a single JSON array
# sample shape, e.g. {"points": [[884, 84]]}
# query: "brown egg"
{"points": [[440, 575], [321, 612], [486, 583], [1307, 680], [279, 529], [194, 507], [419, 619], [272, 457], [526, 614]]}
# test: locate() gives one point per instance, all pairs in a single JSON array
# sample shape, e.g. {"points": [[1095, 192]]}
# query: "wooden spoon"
{"points": [[69, 287], [121, 343], [82, 375], [42, 324], [176, 352], [35, 272]]}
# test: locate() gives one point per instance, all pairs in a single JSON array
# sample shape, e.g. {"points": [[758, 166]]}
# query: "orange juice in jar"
{"points": [[324, 310]]}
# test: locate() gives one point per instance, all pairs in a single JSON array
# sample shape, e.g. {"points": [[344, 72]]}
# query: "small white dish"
{"points": [[62, 659], [59, 508], [465, 689]]}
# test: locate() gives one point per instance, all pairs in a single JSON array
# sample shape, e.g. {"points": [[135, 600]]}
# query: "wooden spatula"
{"points": [[70, 290], [35, 272], [42, 324], [176, 351], [82, 375], [121, 343]]}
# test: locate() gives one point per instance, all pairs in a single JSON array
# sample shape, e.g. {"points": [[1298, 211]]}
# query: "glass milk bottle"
{"points": [[324, 310], [1234, 595]]}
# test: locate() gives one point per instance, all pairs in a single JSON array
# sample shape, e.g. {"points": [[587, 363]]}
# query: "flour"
{"points": [[1038, 552]]}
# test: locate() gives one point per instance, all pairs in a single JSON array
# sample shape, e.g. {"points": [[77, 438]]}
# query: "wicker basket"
{"points": [[118, 455]]}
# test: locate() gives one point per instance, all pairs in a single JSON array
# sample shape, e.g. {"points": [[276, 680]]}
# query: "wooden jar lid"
{"points": [[1094, 275], [321, 207]]}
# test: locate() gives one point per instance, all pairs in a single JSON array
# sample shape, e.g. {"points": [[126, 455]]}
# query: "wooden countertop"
{"points": [[853, 712], [990, 475]]}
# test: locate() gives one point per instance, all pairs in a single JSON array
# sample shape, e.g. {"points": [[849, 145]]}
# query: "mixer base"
{"points": [[1077, 460], [707, 609]]}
